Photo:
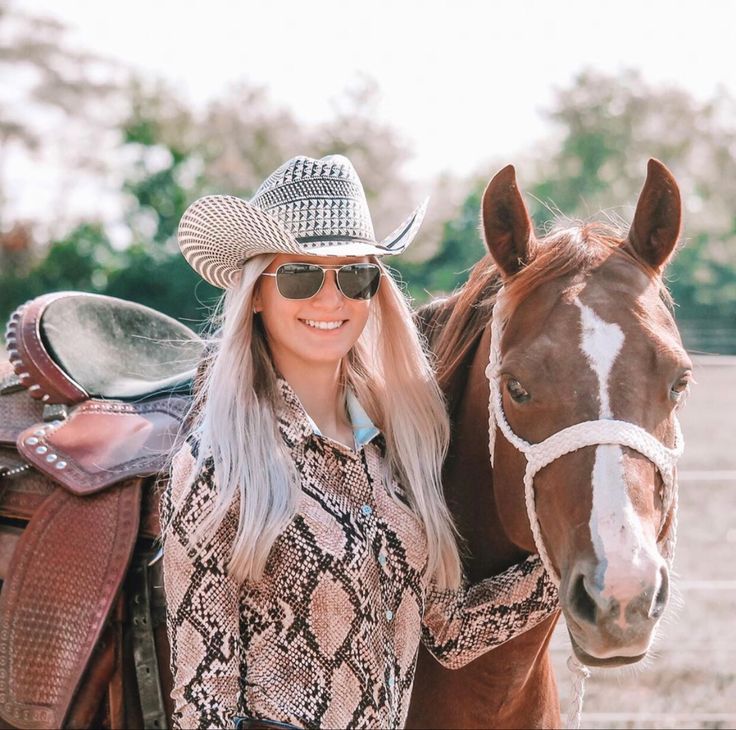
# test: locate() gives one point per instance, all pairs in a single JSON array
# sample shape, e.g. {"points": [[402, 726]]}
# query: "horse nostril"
{"points": [[581, 602], [660, 600]]}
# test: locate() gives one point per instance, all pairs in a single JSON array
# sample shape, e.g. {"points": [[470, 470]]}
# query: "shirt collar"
{"points": [[296, 425]]}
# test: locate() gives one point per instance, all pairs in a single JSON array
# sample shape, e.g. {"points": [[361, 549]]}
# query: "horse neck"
{"points": [[468, 475]]}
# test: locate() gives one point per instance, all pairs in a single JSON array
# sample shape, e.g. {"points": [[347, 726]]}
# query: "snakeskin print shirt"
{"points": [[329, 636]]}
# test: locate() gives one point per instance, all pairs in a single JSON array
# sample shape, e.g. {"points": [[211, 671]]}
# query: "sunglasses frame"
{"points": [[325, 269]]}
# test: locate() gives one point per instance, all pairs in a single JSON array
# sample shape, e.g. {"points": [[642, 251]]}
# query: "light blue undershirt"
{"points": [[364, 430]]}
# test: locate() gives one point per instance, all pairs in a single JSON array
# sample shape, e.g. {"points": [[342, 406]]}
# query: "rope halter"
{"points": [[572, 438]]}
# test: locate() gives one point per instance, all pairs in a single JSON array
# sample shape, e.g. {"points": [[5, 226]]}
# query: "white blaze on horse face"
{"points": [[616, 531], [601, 342]]}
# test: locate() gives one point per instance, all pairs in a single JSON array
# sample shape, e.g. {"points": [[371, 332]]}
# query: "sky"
{"points": [[464, 82]]}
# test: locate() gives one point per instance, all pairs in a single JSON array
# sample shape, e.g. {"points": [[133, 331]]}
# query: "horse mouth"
{"points": [[613, 661]]}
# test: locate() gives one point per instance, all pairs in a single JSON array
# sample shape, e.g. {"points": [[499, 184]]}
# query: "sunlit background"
{"points": [[115, 116]]}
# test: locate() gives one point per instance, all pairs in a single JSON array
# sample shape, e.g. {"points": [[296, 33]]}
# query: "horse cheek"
{"points": [[508, 477]]}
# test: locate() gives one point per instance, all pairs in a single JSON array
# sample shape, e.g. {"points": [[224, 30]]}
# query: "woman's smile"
{"points": [[324, 325]]}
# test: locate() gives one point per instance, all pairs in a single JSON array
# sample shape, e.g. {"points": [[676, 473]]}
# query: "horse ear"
{"points": [[507, 228], [658, 216]]}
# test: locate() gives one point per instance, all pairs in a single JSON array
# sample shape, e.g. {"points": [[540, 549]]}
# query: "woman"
{"points": [[307, 544]]}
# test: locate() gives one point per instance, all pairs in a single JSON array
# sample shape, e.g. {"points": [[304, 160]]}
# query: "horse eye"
{"points": [[517, 391], [680, 387]]}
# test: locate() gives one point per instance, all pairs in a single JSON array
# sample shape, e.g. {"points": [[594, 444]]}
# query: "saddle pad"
{"points": [[102, 442], [65, 574]]}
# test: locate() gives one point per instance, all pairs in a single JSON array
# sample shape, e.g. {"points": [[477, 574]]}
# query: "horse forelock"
{"points": [[575, 249]]}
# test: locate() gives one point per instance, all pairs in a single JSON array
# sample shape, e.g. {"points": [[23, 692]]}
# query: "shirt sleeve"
{"points": [[202, 603], [460, 625]]}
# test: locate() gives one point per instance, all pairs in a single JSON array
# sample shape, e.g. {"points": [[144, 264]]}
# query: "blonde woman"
{"points": [[307, 545]]}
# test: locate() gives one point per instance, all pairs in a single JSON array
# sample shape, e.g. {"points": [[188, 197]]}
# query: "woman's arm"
{"points": [[460, 625], [202, 604]]}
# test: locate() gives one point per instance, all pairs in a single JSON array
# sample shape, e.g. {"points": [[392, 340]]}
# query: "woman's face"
{"points": [[297, 329]]}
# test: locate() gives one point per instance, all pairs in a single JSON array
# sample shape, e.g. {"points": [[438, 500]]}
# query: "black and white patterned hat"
{"points": [[312, 207]]}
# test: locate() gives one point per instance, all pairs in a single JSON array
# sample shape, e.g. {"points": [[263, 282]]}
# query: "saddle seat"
{"points": [[67, 347]]}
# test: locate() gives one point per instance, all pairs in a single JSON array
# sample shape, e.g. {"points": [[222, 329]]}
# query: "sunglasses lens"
{"points": [[359, 281], [299, 281]]}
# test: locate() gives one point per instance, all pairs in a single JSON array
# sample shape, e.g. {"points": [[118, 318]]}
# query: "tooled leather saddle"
{"points": [[91, 404]]}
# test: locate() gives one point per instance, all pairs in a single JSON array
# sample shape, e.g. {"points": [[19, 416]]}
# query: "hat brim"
{"points": [[219, 233]]}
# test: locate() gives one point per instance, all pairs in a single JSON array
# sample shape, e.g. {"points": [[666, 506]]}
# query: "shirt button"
{"points": [[382, 559], [366, 510], [390, 681], [389, 615]]}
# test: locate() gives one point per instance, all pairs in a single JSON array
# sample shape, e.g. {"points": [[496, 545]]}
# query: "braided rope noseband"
{"points": [[572, 438]]}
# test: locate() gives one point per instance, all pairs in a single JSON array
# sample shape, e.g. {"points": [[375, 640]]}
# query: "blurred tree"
{"points": [[244, 137], [163, 159], [54, 98], [608, 127], [80, 261]]}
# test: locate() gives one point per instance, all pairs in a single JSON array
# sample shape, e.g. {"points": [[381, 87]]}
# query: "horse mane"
{"points": [[454, 325]]}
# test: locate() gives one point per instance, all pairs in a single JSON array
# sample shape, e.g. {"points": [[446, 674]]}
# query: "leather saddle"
{"points": [[109, 384]]}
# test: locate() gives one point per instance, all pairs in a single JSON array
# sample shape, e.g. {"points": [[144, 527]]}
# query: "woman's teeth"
{"points": [[324, 325]]}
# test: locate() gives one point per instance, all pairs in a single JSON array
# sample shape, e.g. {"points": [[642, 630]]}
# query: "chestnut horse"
{"points": [[587, 336]]}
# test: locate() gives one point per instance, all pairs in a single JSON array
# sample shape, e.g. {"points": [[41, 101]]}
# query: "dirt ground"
{"points": [[689, 681]]}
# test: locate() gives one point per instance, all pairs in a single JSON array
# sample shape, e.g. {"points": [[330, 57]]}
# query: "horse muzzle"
{"points": [[612, 614]]}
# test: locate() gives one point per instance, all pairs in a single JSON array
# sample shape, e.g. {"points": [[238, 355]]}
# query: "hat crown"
{"points": [[317, 200]]}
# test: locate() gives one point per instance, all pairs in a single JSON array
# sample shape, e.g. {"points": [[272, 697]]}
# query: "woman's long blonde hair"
{"points": [[233, 420]]}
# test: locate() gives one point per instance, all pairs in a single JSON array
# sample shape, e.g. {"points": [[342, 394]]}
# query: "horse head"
{"points": [[588, 337]]}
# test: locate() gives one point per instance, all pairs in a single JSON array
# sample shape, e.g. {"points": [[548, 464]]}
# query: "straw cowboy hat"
{"points": [[307, 206]]}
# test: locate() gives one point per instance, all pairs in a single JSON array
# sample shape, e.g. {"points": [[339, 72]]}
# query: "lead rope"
{"points": [[589, 433], [579, 673]]}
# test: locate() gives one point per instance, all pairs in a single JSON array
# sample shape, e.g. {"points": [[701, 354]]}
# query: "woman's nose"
{"points": [[330, 295]]}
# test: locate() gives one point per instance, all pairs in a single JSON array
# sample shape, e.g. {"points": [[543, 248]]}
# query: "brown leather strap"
{"points": [[51, 615], [45, 380], [147, 672], [116, 686], [102, 442]]}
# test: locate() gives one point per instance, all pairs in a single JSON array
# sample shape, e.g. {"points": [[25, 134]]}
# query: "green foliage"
{"points": [[172, 157], [80, 261], [460, 248], [168, 284]]}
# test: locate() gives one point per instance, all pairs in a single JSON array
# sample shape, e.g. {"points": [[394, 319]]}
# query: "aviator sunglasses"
{"points": [[303, 281]]}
